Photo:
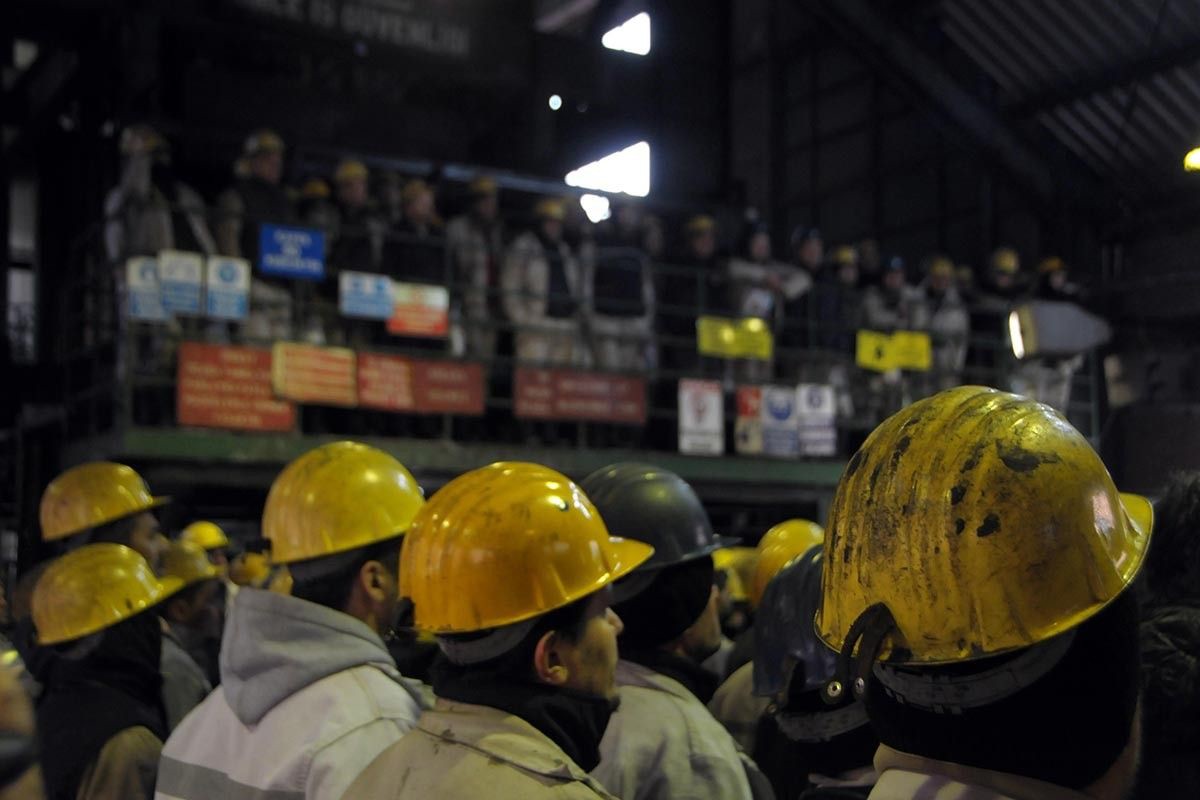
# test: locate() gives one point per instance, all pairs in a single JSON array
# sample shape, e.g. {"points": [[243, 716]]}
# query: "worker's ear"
{"points": [[373, 581], [548, 663]]}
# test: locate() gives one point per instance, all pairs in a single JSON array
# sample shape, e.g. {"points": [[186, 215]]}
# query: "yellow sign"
{"points": [[734, 338], [881, 352]]}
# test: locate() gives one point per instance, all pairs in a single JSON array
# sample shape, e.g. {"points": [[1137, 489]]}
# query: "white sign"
{"points": [[780, 422], [143, 291], [227, 289], [817, 415], [365, 295], [701, 418], [181, 275]]}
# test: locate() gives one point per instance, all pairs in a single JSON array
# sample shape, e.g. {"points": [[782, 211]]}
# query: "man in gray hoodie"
{"points": [[309, 694]]}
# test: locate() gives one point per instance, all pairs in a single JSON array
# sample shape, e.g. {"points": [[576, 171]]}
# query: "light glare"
{"points": [[1191, 162], [596, 207], [631, 36], [625, 171], [555, 102]]}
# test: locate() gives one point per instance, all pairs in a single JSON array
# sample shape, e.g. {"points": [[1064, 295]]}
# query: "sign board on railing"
{"points": [[768, 421], [227, 290], [395, 383], [181, 276], [365, 295], [881, 352], [310, 374], [816, 410], [419, 310], [229, 387], [585, 396], [143, 290], [288, 252], [722, 337], [701, 418]]}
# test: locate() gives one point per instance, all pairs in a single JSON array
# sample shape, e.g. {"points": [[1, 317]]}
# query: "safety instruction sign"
{"points": [[816, 411], [701, 418], [181, 275], [227, 288], [566, 394], [396, 383], [419, 310], [289, 252], [229, 387], [143, 290], [310, 374], [365, 295], [767, 421], [722, 337], [883, 352]]}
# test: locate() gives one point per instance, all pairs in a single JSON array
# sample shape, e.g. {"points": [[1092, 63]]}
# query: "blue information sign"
{"points": [[291, 252], [365, 295]]}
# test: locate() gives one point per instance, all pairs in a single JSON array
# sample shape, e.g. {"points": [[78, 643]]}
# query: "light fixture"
{"points": [[625, 171], [631, 36], [555, 102], [596, 207], [1191, 162]]}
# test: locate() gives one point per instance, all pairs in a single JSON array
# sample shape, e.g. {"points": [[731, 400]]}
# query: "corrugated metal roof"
{"points": [[1117, 82]]}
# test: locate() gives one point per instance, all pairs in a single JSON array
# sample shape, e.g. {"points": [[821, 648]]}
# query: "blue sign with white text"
{"points": [[365, 295], [228, 289], [291, 252]]}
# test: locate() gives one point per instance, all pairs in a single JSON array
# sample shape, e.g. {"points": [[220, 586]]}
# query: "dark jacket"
{"points": [[1170, 640]]}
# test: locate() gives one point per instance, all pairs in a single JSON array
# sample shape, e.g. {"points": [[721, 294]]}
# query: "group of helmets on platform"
{"points": [[961, 628]]}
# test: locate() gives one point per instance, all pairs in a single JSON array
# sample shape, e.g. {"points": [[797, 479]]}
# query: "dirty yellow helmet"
{"points": [[699, 224], [90, 495], [93, 588], [207, 535], [482, 186], [778, 547], [1051, 264], [338, 497], [507, 543], [1006, 260], [941, 267], [350, 170], [250, 569], [982, 523], [187, 562], [738, 565], [845, 254], [314, 189]]}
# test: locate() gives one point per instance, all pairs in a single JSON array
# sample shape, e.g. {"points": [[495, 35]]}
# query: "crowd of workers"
{"points": [[983, 615], [549, 287]]}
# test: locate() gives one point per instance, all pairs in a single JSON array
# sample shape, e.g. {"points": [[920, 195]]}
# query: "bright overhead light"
{"points": [[555, 102], [1015, 335], [631, 36], [1191, 162], [625, 171], [596, 207]]}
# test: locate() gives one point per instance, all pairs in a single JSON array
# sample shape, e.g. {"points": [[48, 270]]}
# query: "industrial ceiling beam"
{"points": [[880, 41]]}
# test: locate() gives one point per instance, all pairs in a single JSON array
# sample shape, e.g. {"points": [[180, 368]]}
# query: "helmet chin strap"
{"points": [[868, 632]]}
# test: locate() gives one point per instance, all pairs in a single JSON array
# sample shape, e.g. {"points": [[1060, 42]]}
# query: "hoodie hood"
{"points": [[276, 645]]}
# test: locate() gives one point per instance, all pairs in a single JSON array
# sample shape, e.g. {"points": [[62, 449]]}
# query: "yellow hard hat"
{"points": [[1006, 260], [983, 522], [93, 494], [250, 569], [413, 189], [315, 189], [507, 543], [1052, 264], [777, 547], [845, 254], [349, 170], [263, 140], [93, 588], [187, 562], [207, 535], [550, 208], [338, 497], [141, 139], [942, 267], [701, 223], [483, 186], [738, 565]]}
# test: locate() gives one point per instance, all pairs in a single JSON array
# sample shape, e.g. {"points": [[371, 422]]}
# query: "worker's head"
{"points": [[808, 249], [978, 572], [485, 198], [210, 538], [334, 518], [194, 604], [510, 567], [671, 602], [351, 178], [418, 202], [701, 233], [756, 242], [941, 274], [893, 278], [845, 262], [1004, 266], [263, 155], [791, 668], [776, 549], [103, 502], [550, 213]]}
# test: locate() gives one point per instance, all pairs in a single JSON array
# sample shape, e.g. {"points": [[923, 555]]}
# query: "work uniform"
{"points": [[620, 309], [308, 697], [663, 743], [466, 750], [184, 682], [903, 777], [542, 287], [737, 708], [474, 248]]}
